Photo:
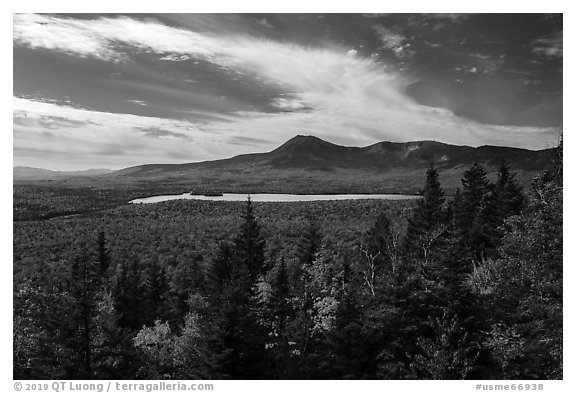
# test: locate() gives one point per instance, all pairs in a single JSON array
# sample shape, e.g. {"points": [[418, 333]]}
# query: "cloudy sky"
{"points": [[112, 91]]}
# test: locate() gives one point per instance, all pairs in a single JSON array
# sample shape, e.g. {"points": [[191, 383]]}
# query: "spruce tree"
{"points": [[279, 313], [352, 354], [309, 242], [428, 216], [509, 196], [280, 298], [475, 190], [103, 253], [249, 244], [154, 290]]}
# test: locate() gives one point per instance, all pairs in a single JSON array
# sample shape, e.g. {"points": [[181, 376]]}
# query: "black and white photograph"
{"points": [[287, 196]]}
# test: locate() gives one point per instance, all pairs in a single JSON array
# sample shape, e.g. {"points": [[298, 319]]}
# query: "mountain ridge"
{"points": [[33, 173], [306, 152]]}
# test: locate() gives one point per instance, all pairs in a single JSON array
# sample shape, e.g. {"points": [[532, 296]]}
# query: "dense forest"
{"points": [[462, 287]]}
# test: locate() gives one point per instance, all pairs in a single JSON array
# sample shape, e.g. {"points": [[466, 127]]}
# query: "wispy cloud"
{"points": [[393, 41], [87, 138], [329, 92], [551, 46]]}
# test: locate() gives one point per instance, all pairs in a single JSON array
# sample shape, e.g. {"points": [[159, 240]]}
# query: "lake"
{"points": [[273, 197]]}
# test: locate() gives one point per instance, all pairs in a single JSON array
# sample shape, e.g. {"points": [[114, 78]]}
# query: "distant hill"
{"points": [[28, 173], [314, 154], [309, 165]]}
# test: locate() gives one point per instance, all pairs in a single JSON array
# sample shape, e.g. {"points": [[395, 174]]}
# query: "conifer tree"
{"points": [[280, 298], [475, 194], [103, 253], [249, 244], [83, 292], [154, 290], [351, 353], [509, 196], [128, 295], [310, 242], [428, 220], [278, 313], [429, 211]]}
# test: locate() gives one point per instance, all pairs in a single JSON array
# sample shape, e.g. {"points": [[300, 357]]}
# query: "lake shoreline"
{"points": [[270, 197]]}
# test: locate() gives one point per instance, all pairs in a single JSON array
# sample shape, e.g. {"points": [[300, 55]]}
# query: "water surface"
{"points": [[273, 197]]}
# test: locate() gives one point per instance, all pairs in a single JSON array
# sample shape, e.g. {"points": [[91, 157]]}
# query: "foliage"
{"points": [[468, 287]]}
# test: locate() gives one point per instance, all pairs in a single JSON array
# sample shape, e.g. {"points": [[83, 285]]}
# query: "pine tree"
{"points": [[103, 253], [485, 234], [127, 294], [236, 333], [277, 314], [527, 286], [457, 322], [509, 196], [280, 298], [154, 291], [474, 195], [85, 294], [428, 222], [249, 244], [429, 211], [500, 200], [310, 242], [348, 347]]}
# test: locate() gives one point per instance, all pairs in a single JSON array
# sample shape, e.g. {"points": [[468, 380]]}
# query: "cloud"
{"points": [[393, 41], [138, 102], [455, 18], [85, 138], [290, 104], [550, 46], [176, 58], [264, 22], [65, 35], [346, 99]]}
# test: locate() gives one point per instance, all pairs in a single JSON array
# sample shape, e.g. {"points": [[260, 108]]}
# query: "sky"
{"points": [[113, 91]]}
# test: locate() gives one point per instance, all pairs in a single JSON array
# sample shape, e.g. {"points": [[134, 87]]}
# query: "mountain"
{"points": [[28, 173], [314, 154]]}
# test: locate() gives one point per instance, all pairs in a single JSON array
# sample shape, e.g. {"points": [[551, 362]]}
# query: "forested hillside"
{"points": [[463, 287]]}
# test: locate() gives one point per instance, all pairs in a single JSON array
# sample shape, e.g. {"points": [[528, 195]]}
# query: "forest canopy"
{"points": [[460, 287]]}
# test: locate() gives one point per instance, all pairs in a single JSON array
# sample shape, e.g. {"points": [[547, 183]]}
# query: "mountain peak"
{"points": [[309, 152], [304, 138], [304, 141]]}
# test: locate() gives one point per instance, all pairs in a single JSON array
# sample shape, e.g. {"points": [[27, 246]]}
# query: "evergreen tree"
{"points": [[527, 286], [484, 234], [509, 197], [475, 194], [277, 313], [249, 244], [457, 323], [428, 222], [310, 242], [154, 291], [127, 294], [475, 186], [429, 212], [83, 293], [237, 335], [103, 253], [351, 352], [224, 267], [188, 277], [280, 299]]}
